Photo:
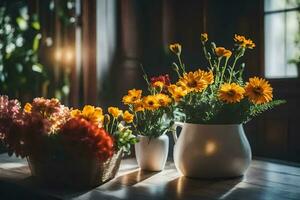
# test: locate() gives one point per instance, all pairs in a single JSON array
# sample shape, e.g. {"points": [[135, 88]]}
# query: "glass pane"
{"points": [[271, 5], [106, 38], [292, 4], [292, 50], [274, 46]]}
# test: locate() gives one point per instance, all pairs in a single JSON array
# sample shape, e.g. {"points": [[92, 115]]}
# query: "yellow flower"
{"points": [[134, 92], [115, 112], [259, 90], [150, 103], [204, 37], [231, 93], [207, 76], [177, 92], [27, 108], [222, 52], [175, 48], [90, 113], [75, 113], [128, 117], [193, 82], [163, 99], [138, 106], [158, 84], [196, 81], [243, 42], [239, 38], [132, 96]]}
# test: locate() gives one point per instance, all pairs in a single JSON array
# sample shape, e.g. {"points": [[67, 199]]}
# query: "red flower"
{"points": [[81, 136], [162, 78]]}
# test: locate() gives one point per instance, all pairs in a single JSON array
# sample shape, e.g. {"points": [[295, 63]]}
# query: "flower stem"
{"points": [[232, 68], [223, 70], [218, 70], [112, 126], [207, 56], [180, 63], [176, 69]]}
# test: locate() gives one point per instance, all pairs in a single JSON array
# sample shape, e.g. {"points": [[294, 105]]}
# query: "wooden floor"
{"points": [[263, 180]]}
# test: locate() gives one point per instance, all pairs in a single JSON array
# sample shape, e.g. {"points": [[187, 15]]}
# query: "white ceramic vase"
{"points": [[151, 154], [211, 151]]}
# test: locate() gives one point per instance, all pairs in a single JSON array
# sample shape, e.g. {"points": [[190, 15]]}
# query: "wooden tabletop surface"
{"points": [[263, 180]]}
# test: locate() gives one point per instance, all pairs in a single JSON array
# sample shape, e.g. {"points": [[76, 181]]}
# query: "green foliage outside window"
{"points": [[21, 74]]}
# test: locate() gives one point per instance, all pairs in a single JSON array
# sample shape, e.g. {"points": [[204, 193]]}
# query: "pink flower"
{"points": [[24, 132], [52, 111], [9, 111]]}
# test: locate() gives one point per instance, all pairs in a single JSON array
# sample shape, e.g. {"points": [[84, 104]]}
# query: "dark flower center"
{"points": [[231, 93], [258, 90], [134, 98], [192, 83], [151, 103]]}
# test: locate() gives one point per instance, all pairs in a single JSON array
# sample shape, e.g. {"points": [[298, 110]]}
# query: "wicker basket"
{"points": [[76, 173]]}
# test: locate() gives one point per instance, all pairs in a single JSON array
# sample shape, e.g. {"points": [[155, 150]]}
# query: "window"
{"points": [[281, 32]]}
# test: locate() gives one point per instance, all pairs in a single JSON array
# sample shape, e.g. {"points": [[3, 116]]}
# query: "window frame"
{"points": [[297, 8]]}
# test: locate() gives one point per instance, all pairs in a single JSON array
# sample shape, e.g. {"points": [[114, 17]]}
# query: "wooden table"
{"points": [[263, 180]]}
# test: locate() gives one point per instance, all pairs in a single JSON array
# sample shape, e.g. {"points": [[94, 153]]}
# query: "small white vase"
{"points": [[151, 154], [211, 151]]}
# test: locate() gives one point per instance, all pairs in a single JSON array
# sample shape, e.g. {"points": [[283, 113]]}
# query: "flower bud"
{"points": [[213, 45], [175, 48], [204, 37]]}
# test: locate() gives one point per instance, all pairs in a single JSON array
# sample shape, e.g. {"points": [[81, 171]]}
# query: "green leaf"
{"points": [[36, 25], [258, 109], [22, 23], [36, 42], [37, 68]]}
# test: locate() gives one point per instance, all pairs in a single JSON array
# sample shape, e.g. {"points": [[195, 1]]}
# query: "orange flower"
{"points": [[158, 84], [27, 108], [132, 96], [177, 92], [222, 52], [90, 113], [259, 90], [231, 93], [208, 76], [138, 106], [115, 112], [163, 99], [128, 117], [150, 103], [196, 81], [243, 42]]}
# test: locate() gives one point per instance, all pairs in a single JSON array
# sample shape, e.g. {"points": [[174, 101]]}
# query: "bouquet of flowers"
{"points": [[219, 95], [153, 112], [46, 123]]}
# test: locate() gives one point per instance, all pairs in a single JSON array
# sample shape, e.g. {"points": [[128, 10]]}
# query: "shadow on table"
{"points": [[178, 188], [127, 180], [11, 191], [135, 185], [114, 186]]}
